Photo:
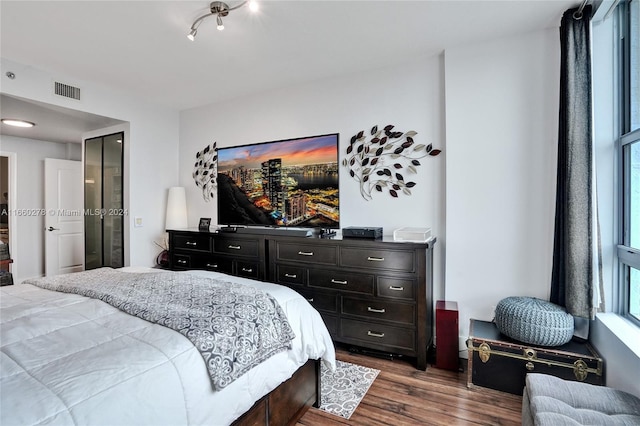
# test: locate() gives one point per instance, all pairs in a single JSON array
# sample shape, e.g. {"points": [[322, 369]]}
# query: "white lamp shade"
{"points": [[176, 209]]}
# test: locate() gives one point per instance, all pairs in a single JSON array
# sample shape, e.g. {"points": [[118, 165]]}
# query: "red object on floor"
{"points": [[447, 335]]}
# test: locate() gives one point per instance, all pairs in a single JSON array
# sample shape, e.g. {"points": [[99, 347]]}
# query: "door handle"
{"points": [[51, 228]]}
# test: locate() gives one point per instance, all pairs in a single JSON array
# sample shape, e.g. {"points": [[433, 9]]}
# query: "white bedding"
{"points": [[68, 359]]}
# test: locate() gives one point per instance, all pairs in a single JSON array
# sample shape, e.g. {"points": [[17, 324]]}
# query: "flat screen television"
{"points": [[286, 183]]}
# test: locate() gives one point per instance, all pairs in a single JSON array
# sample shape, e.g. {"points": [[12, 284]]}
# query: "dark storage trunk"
{"points": [[499, 362]]}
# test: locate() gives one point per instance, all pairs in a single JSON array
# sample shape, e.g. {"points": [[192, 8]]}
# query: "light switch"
{"points": [[137, 222]]}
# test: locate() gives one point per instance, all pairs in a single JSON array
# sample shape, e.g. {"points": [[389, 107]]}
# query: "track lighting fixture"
{"points": [[220, 9]]}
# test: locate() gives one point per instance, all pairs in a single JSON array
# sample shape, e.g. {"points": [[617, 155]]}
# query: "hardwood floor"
{"points": [[402, 395]]}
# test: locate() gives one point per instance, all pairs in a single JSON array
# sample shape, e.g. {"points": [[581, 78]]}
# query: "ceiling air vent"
{"points": [[66, 90]]}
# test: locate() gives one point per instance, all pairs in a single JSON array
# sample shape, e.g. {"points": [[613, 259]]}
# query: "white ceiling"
{"points": [[53, 123], [141, 46]]}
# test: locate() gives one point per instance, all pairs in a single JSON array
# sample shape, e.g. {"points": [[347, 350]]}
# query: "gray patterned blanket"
{"points": [[235, 327]]}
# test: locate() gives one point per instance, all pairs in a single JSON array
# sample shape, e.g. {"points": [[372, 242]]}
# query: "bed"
{"points": [[71, 359]]}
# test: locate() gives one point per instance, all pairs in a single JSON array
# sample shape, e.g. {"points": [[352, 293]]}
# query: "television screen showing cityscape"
{"points": [[282, 183]]}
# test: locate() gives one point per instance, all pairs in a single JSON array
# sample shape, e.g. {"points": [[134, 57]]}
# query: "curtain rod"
{"points": [[578, 13]]}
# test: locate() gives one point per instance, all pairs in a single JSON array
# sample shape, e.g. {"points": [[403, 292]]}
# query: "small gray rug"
{"points": [[343, 390]]}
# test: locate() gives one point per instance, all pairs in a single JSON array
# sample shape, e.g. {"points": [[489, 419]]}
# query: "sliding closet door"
{"points": [[112, 202], [92, 203], [104, 218]]}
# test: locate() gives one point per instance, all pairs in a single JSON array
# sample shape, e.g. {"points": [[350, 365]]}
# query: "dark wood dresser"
{"points": [[234, 254], [374, 294]]}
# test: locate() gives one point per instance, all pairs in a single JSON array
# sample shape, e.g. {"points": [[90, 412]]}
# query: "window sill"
{"points": [[627, 332]]}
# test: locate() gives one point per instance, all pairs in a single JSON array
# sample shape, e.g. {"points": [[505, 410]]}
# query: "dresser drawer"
{"points": [[370, 258], [342, 281], [193, 242], [380, 310], [325, 302], [219, 265], [290, 275], [307, 253], [181, 261], [247, 269], [236, 246], [396, 288], [376, 334], [332, 324]]}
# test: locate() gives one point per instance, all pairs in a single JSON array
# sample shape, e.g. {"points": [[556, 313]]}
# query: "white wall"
{"points": [[150, 156], [500, 151], [617, 341], [407, 95], [501, 129], [28, 252]]}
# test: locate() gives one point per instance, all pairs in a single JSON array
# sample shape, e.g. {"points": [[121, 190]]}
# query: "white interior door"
{"points": [[64, 219]]}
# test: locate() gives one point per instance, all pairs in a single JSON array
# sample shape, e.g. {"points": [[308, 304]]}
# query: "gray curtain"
{"points": [[573, 255]]}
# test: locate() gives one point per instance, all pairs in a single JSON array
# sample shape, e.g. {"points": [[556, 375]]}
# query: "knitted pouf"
{"points": [[534, 321]]}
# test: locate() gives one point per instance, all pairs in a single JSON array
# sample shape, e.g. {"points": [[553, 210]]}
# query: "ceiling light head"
{"points": [[219, 9], [17, 122]]}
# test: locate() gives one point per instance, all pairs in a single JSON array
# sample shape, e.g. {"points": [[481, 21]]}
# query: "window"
{"points": [[629, 148], [633, 53]]}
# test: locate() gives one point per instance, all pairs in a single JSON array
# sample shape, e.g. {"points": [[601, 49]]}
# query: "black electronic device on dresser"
{"points": [[374, 294], [360, 232]]}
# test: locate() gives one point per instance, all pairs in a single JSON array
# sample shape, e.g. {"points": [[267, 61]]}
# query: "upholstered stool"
{"points": [[549, 400], [534, 321]]}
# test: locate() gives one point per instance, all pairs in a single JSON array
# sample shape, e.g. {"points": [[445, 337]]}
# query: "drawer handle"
{"points": [[375, 259], [182, 261], [212, 265], [374, 334], [338, 282], [191, 243], [377, 311], [310, 300], [305, 253], [233, 247], [247, 269], [291, 275], [396, 288]]}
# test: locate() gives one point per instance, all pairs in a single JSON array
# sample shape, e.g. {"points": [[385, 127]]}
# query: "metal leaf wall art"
{"points": [[385, 162], [205, 171]]}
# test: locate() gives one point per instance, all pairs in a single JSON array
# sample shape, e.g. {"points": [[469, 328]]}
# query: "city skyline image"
{"points": [[281, 183], [295, 152]]}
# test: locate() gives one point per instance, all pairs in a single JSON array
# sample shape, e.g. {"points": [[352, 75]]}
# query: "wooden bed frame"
{"points": [[288, 402]]}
